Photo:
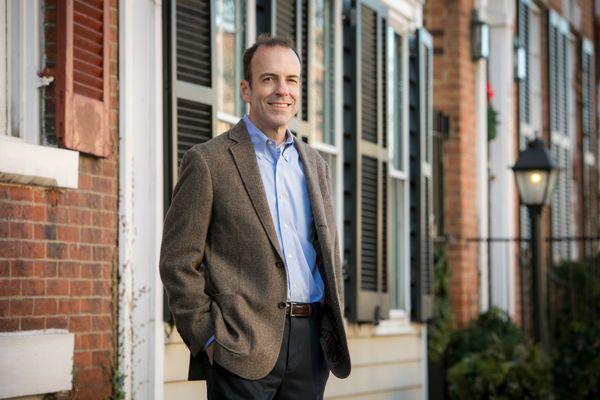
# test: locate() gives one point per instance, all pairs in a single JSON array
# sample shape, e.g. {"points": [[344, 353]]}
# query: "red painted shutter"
{"points": [[81, 76]]}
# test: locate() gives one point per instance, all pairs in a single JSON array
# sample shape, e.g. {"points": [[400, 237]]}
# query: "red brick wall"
{"points": [[454, 91], [58, 253]]}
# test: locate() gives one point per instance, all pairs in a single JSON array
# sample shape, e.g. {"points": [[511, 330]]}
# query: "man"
{"points": [[250, 256]]}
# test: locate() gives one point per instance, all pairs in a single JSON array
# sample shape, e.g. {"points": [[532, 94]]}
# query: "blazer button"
{"points": [[281, 305], [279, 264]]}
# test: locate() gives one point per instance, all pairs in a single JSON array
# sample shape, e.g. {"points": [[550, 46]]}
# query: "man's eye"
{"points": [[267, 79]]}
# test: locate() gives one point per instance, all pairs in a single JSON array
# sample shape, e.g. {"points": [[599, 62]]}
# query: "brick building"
{"points": [[541, 75], [58, 196]]}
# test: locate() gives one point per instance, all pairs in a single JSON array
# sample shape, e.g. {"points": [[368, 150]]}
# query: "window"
{"points": [[397, 58], [230, 45], [22, 158], [21, 61], [323, 72]]}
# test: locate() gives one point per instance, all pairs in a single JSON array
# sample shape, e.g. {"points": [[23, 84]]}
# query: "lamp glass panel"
{"points": [[532, 186]]}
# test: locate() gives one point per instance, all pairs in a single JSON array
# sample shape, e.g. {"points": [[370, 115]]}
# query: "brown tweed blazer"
{"points": [[221, 264]]}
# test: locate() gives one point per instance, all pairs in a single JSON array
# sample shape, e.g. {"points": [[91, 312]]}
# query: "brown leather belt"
{"points": [[300, 309]]}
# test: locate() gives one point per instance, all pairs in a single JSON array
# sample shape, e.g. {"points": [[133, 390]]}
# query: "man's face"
{"points": [[275, 89]]}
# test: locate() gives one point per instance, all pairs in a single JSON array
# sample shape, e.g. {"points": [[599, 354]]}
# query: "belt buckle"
{"points": [[294, 306]]}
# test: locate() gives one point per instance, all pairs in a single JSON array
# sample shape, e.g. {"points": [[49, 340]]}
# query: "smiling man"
{"points": [[250, 256]]}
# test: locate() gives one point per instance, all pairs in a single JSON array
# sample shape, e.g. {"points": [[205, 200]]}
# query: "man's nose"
{"points": [[282, 88]]}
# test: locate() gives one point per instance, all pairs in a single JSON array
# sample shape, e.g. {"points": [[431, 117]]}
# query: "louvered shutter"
{"points": [[562, 221], [589, 183], [365, 163], [192, 95], [292, 21], [421, 245], [263, 17], [82, 76], [189, 95], [587, 83], [524, 27]]}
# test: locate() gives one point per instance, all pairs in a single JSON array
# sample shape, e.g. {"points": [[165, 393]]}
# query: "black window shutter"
{"points": [[368, 47], [286, 20], [188, 121], [263, 16], [524, 17], [365, 169], [421, 245]]}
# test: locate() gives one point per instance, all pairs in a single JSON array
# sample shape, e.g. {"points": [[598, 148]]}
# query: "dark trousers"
{"points": [[299, 373]]}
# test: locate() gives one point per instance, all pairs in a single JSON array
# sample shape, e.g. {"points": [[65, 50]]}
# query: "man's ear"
{"points": [[245, 90]]}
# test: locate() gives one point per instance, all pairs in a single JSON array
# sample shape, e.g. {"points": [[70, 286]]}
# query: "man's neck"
{"points": [[275, 134]]}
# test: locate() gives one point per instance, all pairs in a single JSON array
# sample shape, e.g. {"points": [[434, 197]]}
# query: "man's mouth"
{"points": [[280, 105]]}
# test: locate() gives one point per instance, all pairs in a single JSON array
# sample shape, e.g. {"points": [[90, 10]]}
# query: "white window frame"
{"points": [[22, 159]]}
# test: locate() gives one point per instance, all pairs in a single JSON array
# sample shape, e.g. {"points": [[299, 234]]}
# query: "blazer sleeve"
{"points": [[182, 251]]}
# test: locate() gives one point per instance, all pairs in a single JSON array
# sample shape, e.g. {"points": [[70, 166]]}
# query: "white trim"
{"points": [[4, 93], [326, 148], [27, 164], [36, 362], [338, 121], [226, 117], [503, 206], [141, 337]]}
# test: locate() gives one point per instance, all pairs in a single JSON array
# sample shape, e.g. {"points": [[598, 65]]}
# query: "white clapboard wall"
{"points": [[385, 365]]}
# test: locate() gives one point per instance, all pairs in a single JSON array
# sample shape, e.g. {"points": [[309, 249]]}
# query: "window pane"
{"points": [[323, 72], [230, 44], [399, 272], [398, 103]]}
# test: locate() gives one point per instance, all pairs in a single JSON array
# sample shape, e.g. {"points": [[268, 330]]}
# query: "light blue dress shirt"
{"points": [[284, 182]]}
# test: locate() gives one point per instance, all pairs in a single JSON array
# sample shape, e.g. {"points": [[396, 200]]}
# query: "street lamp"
{"points": [[536, 174]]}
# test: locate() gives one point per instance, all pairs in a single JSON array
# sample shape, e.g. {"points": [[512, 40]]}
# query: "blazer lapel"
{"points": [[312, 183], [245, 160]]}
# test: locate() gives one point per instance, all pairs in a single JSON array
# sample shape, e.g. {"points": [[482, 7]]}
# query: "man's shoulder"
{"points": [[214, 147]]}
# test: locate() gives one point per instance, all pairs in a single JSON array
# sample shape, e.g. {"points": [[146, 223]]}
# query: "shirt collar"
{"points": [[259, 139]]}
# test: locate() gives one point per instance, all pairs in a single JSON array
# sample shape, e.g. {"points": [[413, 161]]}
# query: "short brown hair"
{"points": [[265, 39]]}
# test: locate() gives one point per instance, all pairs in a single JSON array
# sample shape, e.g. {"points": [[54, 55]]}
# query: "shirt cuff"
{"points": [[209, 341]]}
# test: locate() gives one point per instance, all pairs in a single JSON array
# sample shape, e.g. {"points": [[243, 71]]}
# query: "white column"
{"points": [[501, 16], [141, 339], [482, 171]]}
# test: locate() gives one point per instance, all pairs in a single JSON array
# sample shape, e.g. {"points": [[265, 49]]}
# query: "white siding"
{"points": [[383, 367]]}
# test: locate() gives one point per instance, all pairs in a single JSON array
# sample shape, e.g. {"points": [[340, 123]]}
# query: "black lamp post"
{"points": [[536, 173]]}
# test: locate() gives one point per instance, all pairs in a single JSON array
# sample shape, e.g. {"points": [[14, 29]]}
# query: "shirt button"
{"points": [[290, 256], [285, 225], [279, 264], [281, 305]]}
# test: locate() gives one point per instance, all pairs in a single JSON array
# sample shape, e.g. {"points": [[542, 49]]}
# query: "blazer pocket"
{"points": [[230, 315]]}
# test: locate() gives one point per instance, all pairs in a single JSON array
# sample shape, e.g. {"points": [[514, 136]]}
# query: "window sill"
{"points": [[398, 324], [31, 164], [35, 362]]}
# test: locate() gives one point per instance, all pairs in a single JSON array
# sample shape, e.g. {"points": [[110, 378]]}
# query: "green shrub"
{"points": [[492, 360], [575, 312], [442, 324]]}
